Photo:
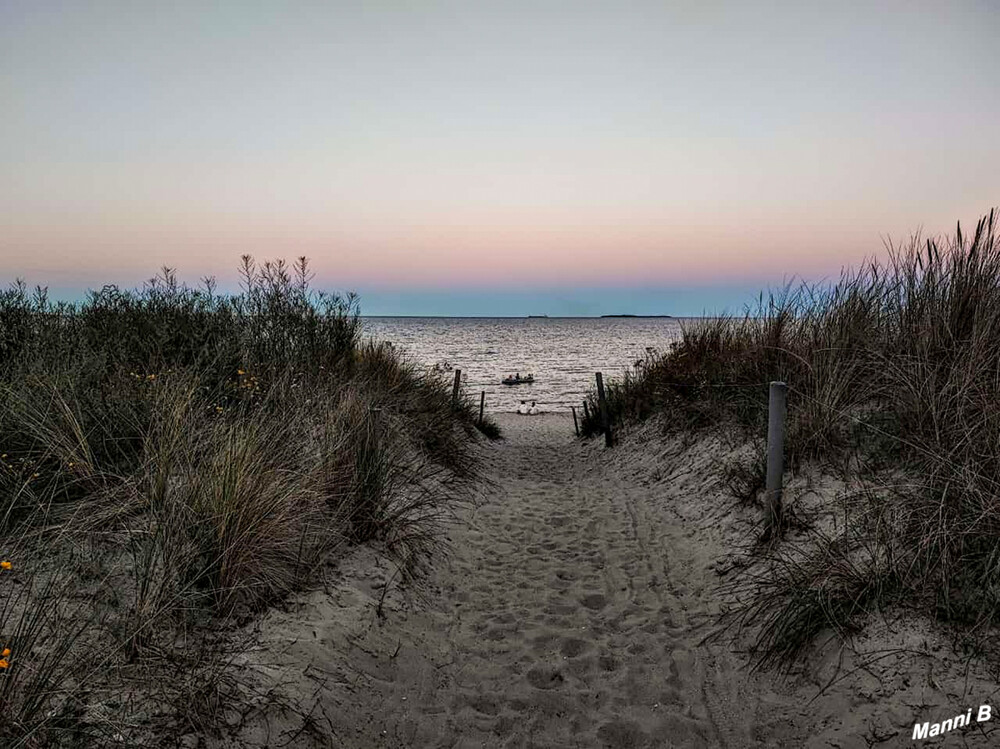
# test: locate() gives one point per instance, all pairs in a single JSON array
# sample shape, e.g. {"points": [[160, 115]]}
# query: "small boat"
{"points": [[518, 380]]}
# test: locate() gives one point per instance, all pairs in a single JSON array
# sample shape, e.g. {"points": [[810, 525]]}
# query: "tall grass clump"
{"points": [[202, 454], [894, 379]]}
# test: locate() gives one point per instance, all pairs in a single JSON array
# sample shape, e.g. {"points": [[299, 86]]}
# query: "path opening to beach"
{"points": [[576, 621], [577, 606], [565, 613]]}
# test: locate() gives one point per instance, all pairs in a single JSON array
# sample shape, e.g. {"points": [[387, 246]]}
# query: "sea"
{"points": [[562, 353]]}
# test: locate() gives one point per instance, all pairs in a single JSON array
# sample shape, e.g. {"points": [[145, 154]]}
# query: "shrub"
{"points": [[895, 370], [209, 452]]}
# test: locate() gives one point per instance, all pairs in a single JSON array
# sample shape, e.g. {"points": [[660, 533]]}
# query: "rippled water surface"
{"points": [[562, 353]]}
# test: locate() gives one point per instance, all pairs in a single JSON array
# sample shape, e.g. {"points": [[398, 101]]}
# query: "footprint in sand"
{"points": [[594, 602], [485, 704], [621, 734], [608, 663], [545, 677], [572, 647]]}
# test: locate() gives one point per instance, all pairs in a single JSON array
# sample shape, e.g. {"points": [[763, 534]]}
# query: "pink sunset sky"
{"points": [[429, 147]]}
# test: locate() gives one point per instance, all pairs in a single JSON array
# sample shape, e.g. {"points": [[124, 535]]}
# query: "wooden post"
{"points": [[482, 404], [776, 407], [458, 384], [576, 427], [605, 419]]}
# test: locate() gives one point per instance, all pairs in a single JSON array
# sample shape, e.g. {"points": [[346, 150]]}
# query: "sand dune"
{"points": [[578, 607]]}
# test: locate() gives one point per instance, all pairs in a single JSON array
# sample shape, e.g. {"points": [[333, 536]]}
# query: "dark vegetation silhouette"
{"points": [[172, 460], [894, 384]]}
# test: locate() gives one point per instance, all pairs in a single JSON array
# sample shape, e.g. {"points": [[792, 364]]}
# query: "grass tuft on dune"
{"points": [[894, 383], [174, 460]]}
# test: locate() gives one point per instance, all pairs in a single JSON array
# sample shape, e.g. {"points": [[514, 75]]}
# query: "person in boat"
{"points": [[517, 376], [523, 409], [534, 409]]}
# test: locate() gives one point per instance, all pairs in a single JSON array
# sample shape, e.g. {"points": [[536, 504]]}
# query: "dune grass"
{"points": [[173, 460], [894, 382]]}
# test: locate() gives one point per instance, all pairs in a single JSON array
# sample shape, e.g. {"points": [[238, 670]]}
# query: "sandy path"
{"points": [[572, 611], [558, 620], [569, 623]]}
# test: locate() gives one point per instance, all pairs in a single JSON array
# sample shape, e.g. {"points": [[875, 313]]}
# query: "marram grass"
{"points": [[894, 382], [173, 459]]}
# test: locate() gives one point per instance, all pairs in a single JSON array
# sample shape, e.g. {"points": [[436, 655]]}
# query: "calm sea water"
{"points": [[562, 353]]}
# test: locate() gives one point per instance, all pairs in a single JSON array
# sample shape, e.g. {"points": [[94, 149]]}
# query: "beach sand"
{"points": [[577, 606]]}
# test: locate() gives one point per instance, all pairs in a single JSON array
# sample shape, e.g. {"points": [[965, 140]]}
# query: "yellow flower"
{"points": [[240, 372], [218, 409], [3, 663], [5, 565], [5, 653]]}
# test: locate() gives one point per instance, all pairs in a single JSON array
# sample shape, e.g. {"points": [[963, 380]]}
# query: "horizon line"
{"points": [[541, 317]]}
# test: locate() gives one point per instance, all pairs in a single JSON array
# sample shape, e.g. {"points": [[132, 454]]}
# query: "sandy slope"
{"points": [[576, 609]]}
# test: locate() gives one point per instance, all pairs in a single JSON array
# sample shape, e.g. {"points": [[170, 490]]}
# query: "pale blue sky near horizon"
{"points": [[469, 158], [593, 302], [554, 302]]}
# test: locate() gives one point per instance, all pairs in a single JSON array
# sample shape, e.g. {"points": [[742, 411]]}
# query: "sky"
{"points": [[475, 158]]}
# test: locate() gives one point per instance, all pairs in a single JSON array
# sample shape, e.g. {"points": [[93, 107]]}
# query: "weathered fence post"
{"points": [[458, 384], [482, 404], [576, 427], [605, 419], [776, 407]]}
